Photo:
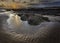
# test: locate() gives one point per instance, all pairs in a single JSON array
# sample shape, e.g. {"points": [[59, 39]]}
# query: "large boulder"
{"points": [[36, 20]]}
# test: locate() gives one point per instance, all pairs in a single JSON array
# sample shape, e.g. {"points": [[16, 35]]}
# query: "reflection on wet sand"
{"points": [[14, 20]]}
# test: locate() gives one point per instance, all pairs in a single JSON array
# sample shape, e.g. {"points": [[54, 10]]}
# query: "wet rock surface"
{"points": [[46, 32]]}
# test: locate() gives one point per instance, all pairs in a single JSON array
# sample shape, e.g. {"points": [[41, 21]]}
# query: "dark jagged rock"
{"points": [[36, 20], [23, 18]]}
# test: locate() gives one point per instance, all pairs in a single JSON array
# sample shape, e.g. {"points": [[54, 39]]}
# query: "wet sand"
{"points": [[46, 32]]}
